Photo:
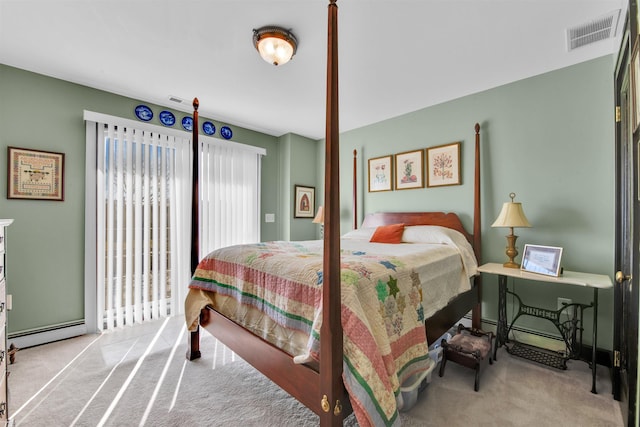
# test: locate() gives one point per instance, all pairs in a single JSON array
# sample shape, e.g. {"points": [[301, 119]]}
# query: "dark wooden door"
{"points": [[627, 252]]}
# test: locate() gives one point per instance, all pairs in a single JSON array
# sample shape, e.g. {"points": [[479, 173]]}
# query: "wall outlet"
{"points": [[269, 217], [563, 301]]}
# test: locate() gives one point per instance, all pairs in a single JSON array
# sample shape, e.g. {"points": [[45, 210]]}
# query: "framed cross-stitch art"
{"points": [[409, 170], [35, 174], [380, 174], [443, 165]]}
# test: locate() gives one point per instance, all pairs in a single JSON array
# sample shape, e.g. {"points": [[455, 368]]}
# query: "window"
{"points": [[138, 214]]}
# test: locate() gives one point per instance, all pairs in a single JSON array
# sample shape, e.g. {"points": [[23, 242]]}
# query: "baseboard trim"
{"points": [[47, 336], [31, 339]]}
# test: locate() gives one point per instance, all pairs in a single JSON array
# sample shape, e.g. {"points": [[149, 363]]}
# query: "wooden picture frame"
{"points": [[409, 170], [304, 202], [541, 259], [443, 165], [35, 174], [380, 174]]}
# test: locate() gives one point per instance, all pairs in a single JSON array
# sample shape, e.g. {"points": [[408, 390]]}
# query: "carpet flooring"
{"points": [[139, 377]]}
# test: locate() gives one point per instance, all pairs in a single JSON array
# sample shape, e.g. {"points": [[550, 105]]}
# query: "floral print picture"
{"points": [[410, 170], [443, 165], [380, 174]]}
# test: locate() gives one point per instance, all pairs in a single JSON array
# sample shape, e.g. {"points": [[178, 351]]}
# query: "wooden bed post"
{"points": [[193, 350], [476, 315], [355, 190], [323, 390], [195, 193], [331, 385]]}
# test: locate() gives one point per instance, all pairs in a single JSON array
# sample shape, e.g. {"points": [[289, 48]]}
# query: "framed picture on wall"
{"points": [[443, 165], [380, 174], [305, 201], [409, 170], [35, 174]]}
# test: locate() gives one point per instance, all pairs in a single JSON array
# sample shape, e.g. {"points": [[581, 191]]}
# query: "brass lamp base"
{"points": [[511, 252], [510, 264]]}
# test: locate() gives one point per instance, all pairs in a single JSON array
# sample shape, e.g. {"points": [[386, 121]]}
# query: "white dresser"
{"points": [[4, 407]]}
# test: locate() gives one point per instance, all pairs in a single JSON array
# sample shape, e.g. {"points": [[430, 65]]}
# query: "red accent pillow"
{"points": [[388, 234]]}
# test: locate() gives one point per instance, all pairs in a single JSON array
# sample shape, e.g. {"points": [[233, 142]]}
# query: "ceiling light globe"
{"points": [[275, 45]]}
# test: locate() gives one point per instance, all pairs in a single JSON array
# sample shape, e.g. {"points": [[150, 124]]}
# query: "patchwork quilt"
{"points": [[382, 311]]}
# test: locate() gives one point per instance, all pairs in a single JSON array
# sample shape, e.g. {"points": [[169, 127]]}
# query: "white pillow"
{"points": [[431, 234], [360, 234], [436, 234]]}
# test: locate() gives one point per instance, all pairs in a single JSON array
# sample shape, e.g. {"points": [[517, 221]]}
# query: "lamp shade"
{"points": [[319, 219], [275, 45], [511, 215]]}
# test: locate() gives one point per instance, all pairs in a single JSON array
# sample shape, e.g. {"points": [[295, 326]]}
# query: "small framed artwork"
{"points": [[380, 174], [305, 202], [541, 259], [443, 165], [35, 174], [409, 170]]}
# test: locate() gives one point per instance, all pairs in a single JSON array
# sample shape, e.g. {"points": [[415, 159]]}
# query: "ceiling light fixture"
{"points": [[275, 44]]}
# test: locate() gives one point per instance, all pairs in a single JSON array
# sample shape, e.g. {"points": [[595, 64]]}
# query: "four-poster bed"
{"points": [[317, 380]]}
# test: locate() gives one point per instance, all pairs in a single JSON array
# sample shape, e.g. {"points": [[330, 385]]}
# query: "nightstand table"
{"points": [[569, 333]]}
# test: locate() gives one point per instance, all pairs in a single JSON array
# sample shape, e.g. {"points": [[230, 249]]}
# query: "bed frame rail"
{"points": [[301, 381]]}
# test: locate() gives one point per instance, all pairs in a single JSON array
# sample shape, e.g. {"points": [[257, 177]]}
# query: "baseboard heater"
{"points": [[39, 336]]}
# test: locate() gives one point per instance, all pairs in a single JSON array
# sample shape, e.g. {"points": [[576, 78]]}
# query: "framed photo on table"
{"points": [[305, 202], [35, 174], [541, 259]]}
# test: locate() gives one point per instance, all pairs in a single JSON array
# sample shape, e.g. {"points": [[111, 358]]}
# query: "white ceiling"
{"points": [[396, 56]]}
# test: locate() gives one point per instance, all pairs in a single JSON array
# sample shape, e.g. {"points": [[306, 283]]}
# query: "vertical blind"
{"points": [[142, 212], [143, 178], [230, 194]]}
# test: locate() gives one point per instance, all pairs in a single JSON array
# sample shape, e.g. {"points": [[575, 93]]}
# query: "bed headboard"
{"points": [[449, 220]]}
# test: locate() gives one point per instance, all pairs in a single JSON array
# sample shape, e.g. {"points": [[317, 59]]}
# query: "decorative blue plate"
{"points": [[144, 113], [167, 118], [226, 133], [187, 123], [208, 128]]}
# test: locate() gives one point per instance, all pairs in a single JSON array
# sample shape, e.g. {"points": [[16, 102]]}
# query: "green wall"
{"points": [[45, 271], [549, 139], [299, 167]]}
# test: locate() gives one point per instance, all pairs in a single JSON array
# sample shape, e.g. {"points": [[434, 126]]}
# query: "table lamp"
{"points": [[511, 216], [319, 219]]}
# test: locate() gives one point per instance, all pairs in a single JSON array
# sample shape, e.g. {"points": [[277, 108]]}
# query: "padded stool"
{"points": [[469, 347]]}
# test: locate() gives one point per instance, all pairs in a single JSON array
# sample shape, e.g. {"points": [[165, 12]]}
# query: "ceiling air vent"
{"points": [[599, 29], [176, 100]]}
